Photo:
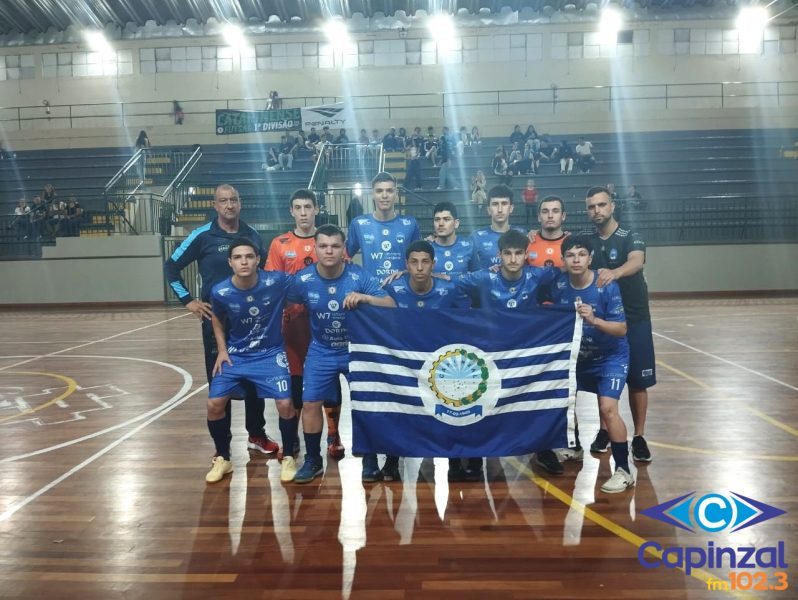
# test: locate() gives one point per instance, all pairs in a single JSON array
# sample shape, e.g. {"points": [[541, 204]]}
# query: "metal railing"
{"points": [[551, 99]]}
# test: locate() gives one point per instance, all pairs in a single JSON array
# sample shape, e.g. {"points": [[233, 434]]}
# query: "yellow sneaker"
{"points": [[288, 469], [220, 468]]}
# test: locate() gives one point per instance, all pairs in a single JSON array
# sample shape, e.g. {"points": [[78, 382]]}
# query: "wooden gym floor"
{"points": [[104, 451]]}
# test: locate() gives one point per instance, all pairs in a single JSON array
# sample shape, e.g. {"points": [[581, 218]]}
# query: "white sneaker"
{"points": [[619, 481], [220, 468], [288, 469], [564, 454]]}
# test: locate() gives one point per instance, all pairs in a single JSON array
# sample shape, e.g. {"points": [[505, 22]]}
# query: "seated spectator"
{"points": [[326, 136], [413, 176], [547, 151], [464, 139], [517, 137], [389, 141], [515, 154], [286, 157], [479, 184], [566, 155], [143, 141], [38, 216], [375, 139], [342, 137], [417, 140], [531, 133], [530, 195], [401, 137], [500, 167], [74, 217], [300, 143], [584, 155], [274, 102], [363, 138], [272, 160], [312, 139], [532, 154], [49, 194], [611, 190], [431, 148], [633, 198], [476, 138], [56, 215], [178, 112], [21, 222]]}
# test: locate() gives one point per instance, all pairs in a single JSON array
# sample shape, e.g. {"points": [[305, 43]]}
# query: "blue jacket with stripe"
{"points": [[208, 245]]}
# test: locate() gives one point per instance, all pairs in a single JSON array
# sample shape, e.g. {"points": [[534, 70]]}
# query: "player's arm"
{"points": [[635, 259], [614, 328], [274, 260], [353, 239], [469, 282], [354, 299], [184, 255], [221, 343]]}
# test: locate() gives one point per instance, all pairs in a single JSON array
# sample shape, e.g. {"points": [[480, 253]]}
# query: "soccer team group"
{"points": [[274, 323]]}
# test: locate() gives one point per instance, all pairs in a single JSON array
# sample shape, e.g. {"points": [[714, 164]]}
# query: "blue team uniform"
{"points": [[252, 319], [455, 258], [444, 294], [494, 291], [485, 244], [328, 353], [383, 243], [603, 359]]}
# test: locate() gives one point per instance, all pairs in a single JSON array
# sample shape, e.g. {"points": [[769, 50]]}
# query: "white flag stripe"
{"points": [[532, 370], [396, 407], [361, 366], [379, 386], [422, 356], [537, 386]]}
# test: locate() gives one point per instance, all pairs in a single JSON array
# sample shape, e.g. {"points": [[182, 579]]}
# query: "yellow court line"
{"points": [[72, 385], [724, 453], [743, 405], [602, 521]]}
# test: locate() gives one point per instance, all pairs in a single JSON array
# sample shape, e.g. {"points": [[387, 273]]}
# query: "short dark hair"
{"points": [[597, 189], [443, 206], [500, 191], [551, 199], [577, 241], [512, 239], [329, 231], [242, 241], [303, 194], [420, 246], [383, 177]]}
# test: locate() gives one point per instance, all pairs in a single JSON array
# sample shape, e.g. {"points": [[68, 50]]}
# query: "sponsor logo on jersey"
{"points": [[254, 311], [333, 305]]}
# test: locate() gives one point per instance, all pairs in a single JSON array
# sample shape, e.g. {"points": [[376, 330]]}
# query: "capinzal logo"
{"points": [[713, 512]]}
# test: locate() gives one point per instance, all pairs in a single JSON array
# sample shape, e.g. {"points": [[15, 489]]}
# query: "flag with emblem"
{"points": [[463, 382]]}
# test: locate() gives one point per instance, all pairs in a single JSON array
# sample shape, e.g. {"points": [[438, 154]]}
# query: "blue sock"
{"points": [[620, 452], [313, 444], [288, 431], [220, 432]]}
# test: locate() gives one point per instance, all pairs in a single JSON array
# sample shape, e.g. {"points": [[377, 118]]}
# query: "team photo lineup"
{"points": [[274, 321]]}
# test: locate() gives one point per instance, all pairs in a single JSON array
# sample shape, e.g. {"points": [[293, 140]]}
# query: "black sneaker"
{"points": [[547, 460], [601, 443], [456, 472], [473, 471], [390, 471], [640, 450]]}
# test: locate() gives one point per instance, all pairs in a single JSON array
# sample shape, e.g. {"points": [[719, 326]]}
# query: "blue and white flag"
{"points": [[462, 382]]}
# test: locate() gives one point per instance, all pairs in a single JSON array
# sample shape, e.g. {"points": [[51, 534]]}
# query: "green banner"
{"points": [[257, 121]]}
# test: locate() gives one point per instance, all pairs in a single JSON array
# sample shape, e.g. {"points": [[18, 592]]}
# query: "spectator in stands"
{"points": [[375, 139], [431, 147], [2, 151], [286, 156], [446, 156], [531, 134], [532, 154], [517, 137], [417, 140], [584, 155], [476, 138], [74, 217], [342, 137], [515, 154], [479, 186], [633, 198], [49, 194], [566, 155], [354, 210], [272, 160], [21, 222], [547, 151], [142, 141], [389, 141], [326, 136], [312, 140], [177, 110], [274, 102], [500, 167], [611, 191], [530, 195], [56, 215], [38, 216], [413, 176], [401, 137], [363, 138], [463, 140]]}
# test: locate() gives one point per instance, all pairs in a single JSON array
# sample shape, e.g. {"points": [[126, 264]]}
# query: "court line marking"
{"points": [[739, 403], [72, 385], [171, 339], [725, 454], [728, 362], [602, 521], [188, 381], [105, 339], [731, 315], [17, 506]]}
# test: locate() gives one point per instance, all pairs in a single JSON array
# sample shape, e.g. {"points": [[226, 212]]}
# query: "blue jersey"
{"points": [[383, 243], [208, 245], [494, 291], [444, 294], [325, 301], [455, 258], [607, 305], [486, 247], [253, 317]]}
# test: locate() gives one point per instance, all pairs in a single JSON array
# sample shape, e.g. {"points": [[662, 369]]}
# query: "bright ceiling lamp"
{"points": [[97, 41], [751, 24], [441, 27], [234, 36], [337, 33], [610, 24]]}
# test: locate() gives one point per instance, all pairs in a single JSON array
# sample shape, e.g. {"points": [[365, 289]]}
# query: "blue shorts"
{"points": [[642, 364], [267, 371], [322, 368], [604, 377]]}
